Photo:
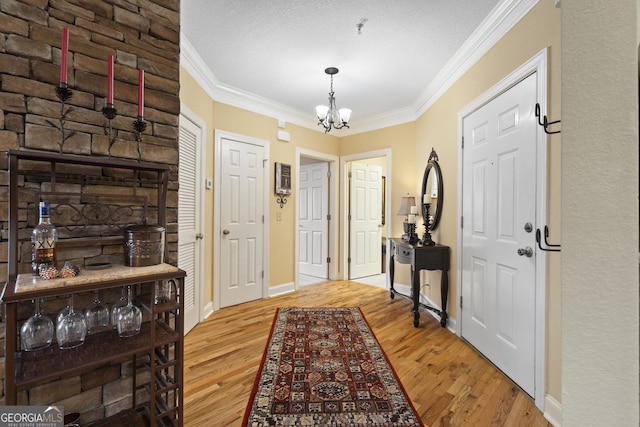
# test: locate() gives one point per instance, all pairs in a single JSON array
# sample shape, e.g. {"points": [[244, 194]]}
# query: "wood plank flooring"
{"points": [[449, 383]]}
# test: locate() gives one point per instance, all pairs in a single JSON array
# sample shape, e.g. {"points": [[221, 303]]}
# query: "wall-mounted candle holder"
{"points": [[64, 94], [139, 125], [110, 112]]}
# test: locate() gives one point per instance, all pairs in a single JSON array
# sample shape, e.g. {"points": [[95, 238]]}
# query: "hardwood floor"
{"points": [[449, 383]]}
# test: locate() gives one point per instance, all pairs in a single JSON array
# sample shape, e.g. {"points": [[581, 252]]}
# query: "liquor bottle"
{"points": [[44, 240]]}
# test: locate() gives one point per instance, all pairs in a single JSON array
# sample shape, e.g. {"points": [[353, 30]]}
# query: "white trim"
{"points": [[334, 190], [218, 91], [190, 115], [553, 411], [285, 288], [219, 135], [344, 209], [538, 65], [208, 310], [501, 19]]}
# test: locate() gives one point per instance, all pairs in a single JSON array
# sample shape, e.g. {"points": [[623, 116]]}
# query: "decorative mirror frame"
{"points": [[432, 164]]}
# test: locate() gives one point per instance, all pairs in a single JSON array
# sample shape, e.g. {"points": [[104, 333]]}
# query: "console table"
{"points": [[435, 257]]}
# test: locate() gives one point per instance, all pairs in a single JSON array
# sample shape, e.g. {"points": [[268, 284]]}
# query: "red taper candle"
{"points": [[140, 93], [64, 55], [110, 80]]}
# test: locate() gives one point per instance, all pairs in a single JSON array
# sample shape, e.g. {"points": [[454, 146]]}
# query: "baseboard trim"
{"points": [[553, 411], [208, 310], [285, 288]]}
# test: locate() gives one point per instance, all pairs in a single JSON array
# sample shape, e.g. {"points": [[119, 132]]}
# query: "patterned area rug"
{"points": [[324, 367]]}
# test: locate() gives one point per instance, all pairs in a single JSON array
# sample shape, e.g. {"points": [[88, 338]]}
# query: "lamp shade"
{"points": [[321, 111], [345, 115], [405, 206]]}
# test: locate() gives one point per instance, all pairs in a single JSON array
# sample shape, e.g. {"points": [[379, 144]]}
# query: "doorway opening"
{"points": [[366, 183], [316, 237]]}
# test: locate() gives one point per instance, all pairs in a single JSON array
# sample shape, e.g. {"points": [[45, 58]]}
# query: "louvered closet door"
{"points": [[189, 218]]}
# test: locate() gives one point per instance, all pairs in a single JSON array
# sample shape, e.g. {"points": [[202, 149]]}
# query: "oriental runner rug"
{"points": [[324, 367]]}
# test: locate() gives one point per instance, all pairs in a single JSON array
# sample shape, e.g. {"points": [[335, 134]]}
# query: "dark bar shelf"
{"points": [[37, 366]]}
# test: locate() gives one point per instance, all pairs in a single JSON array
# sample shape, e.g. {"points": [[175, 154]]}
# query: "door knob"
{"points": [[525, 251], [225, 231]]}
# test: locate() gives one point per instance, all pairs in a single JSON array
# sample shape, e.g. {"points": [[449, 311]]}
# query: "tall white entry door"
{"points": [[365, 212], [499, 213], [241, 222], [313, 219], [190, 206]]}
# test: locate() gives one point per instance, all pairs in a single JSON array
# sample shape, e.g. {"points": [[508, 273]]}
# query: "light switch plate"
{"points": [[208, 183]]}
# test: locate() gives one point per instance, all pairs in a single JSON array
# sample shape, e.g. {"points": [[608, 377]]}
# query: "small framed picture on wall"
{"points": [[283, 178]]}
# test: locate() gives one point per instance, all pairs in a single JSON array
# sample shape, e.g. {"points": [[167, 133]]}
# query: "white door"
{"points": [[365, 211], [190, 205], [499, 188], [312, 221], [241, 222]]}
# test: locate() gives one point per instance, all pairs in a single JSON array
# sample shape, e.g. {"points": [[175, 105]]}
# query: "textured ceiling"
{"points": [[279, 49]]}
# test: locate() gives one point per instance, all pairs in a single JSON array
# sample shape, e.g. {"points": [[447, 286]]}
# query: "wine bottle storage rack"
{"points": [[159, 345]]}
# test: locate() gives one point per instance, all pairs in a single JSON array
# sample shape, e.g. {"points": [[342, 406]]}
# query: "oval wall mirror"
{"points": [[432, 194]]}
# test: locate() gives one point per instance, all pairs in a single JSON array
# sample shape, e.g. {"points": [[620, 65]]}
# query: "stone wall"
{"points": [[141, 34]]}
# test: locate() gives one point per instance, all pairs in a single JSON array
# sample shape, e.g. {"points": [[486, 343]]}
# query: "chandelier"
{"points": [[330, 116]]}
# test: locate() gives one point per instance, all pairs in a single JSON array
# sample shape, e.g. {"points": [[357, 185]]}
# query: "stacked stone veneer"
{"points": [[140, 34]]}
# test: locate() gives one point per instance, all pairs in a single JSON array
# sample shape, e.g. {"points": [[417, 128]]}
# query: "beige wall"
{"points": [[600, 317], [410, 145], [438, 128]]}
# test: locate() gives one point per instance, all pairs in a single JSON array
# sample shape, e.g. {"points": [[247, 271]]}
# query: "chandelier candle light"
{"points": [[330, 116]]}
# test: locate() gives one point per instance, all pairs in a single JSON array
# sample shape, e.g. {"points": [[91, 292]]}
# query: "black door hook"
{"points": [[549, 247]]}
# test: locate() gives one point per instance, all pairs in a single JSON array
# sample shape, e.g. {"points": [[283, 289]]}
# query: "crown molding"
{"points": [[501, 19]]}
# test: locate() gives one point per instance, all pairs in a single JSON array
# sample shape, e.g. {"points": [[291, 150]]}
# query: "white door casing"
{"points": [[537, 66], [498, 314], [313, 224], [190, 214], [242, 227], [365, 211]]}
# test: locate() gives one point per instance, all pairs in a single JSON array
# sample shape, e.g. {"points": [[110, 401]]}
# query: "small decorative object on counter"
{"points": [[48, 272], [69, 270], [144, 245], [44, 240]]}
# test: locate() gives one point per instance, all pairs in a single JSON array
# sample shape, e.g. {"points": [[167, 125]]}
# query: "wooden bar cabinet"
{"points": [[140, 195]]}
